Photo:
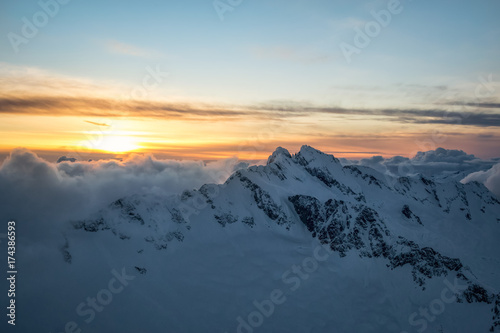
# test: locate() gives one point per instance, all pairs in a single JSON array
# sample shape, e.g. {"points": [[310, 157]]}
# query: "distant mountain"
{"points": [[301, 244]]}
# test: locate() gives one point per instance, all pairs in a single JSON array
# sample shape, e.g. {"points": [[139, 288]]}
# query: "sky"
{"points": [[207, 80]]}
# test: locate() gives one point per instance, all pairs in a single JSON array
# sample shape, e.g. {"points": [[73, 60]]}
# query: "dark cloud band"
{"points": [[48, 105]]}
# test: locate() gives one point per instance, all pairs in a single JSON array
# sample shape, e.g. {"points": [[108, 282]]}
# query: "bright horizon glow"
{"points": [[118, 144]]}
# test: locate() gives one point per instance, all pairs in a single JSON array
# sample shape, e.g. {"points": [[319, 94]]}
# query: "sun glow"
{"points": [[117, 144]]}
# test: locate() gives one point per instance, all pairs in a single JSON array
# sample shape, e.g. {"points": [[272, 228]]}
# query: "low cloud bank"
{"points": [[39, 193], [490, 178], [440, 164]]}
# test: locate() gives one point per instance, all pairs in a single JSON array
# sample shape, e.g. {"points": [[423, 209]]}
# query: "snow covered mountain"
{"points": [[301, 244]]}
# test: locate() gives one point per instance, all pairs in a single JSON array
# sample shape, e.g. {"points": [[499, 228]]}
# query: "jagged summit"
{"points": [[306, 155], [277, 153], [311, 153], [309, 156]]}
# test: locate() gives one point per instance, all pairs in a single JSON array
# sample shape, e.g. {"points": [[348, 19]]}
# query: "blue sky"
{"points": [[263, 49]]}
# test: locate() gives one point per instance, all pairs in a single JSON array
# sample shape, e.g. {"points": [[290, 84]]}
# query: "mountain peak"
{"points": [[308, 154], [306, 148], [280, 151]]}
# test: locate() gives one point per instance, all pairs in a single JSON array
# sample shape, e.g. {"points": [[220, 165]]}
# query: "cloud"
{"points": [[347, 24], [440, 163], [101, 107], [98, 124], [20, 81], [38, 193], [490, 178], [416, 116], [440, 87], [117, 47], [105, 107], [66, 159], [444, 156], [478, 105], [289, 53], [60, 95]]}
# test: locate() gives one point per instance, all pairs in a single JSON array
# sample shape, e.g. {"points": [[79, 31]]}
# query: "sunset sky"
{"points": [[208, 80]]}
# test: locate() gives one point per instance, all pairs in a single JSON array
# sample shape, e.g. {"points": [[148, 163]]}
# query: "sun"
{"points": [[118, 144]]}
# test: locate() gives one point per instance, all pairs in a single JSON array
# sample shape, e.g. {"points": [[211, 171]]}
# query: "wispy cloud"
{"points": [[95, 123], [289, 53], [98, 107], [477, 105], [416, 116], [21, 80], [347, 23], [118, 47], [58, 95], [87, 106]]}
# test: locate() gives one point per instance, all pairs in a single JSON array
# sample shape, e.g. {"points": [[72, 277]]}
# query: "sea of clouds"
{"points": [[42, 193], [441, 164]]}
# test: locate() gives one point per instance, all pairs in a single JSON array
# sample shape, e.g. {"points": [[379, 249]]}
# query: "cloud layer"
{"points": [[38, 193], [440, 163], [118, 47], [103, 107], [490, 178], [68, 96]]}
